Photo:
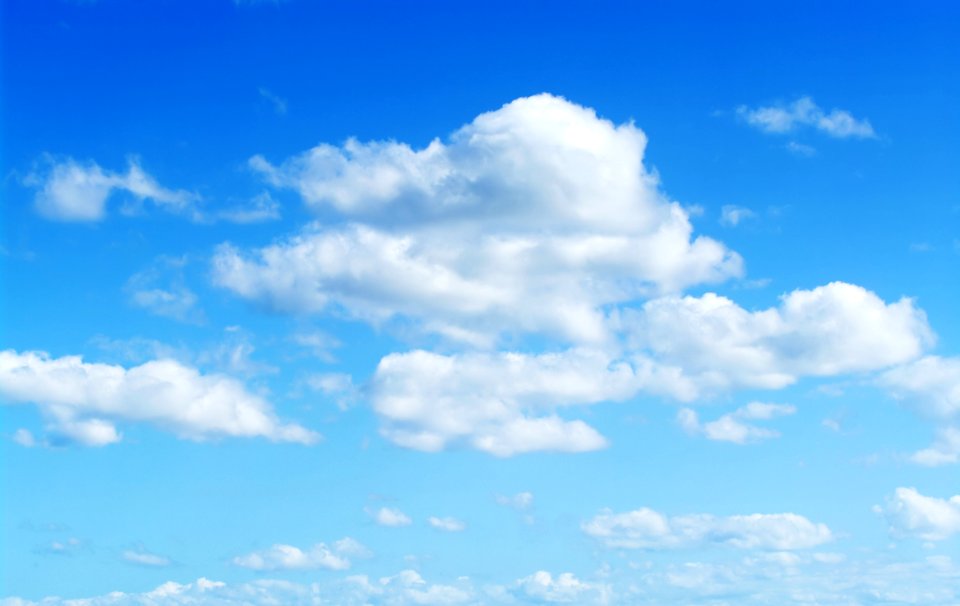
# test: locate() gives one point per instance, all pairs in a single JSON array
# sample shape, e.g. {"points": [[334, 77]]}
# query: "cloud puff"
{"points": [[804, 112], [447, 524], [529, 219], [565, 588], [944, 450], [388, 516], [911, 514], [82, 401], [732, 215], [931, 383], [733, 427], [647, 529], [288, 557], [70, 190], [829, 330]]}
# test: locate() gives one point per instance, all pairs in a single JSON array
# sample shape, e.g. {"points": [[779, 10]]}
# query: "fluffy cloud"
{"points": [[931, 383], [564, 588], [82, 401], [288, 557], [804, 112], [733, 427], [829, 330], [944, 450], [529, 219], [388, 516], [647, 529], [74, 191], [910, 513], [447, 524]]}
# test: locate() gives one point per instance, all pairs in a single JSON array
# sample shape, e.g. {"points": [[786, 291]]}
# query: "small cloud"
{"points": [[520, 501], [732, 215], [338, 386], [785, 118], [260, 209], [279, 104], [387, 516], [447, 524], [921, 247], [161, 289], [733, 427], [142, 557], [799, 149], [24, 438]]}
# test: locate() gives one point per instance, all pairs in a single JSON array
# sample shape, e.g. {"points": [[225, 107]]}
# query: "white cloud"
{"points": [[82, 401], [447, 524], [564, 588], [733, 427], [647, 529], [24, 438], [829, 330], [145, 558], [910, 513], [804, 112], [73, 191], [944, 450], [931, 383], [732, 215], [288, 557], [800, 149], [529, 219], [279, 104], [259, 209], [520, 501], [388, 516], [161, 290]]}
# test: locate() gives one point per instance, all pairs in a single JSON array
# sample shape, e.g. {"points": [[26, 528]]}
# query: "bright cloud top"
{"points": [[528, 219], [805, 113], [288, 557], [82, 402], [75, 191], [929, 518], [648, 529]]}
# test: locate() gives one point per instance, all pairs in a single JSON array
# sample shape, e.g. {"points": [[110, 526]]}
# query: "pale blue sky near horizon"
{"points": [[478, 303]]}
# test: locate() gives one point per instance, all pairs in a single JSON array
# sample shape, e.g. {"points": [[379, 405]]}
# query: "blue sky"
{"points": [[479, 303]]}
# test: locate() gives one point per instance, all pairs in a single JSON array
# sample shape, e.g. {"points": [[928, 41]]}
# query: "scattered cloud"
{"points": [[260, 209], [279, 104], [447, 524], [288, 557], [70, 190], [388, 516], [143, 557], [565, 588], [911, 514], [161, 289], [732, 215], [785, 118], [24, 438], [944, 450], [82, 401], [647, 529], [733, 427], [521, 501], [801, 149], [932, 384]]}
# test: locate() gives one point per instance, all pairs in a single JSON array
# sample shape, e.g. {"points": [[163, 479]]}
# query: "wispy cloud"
{"points": [[279, 104], [785, 118]]}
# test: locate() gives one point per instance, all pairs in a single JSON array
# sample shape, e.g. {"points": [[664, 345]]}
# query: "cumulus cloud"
{"points": [[83, 401], [931, 383], [389, 516], [565, 588], [648, 529], [734, 427], [447, 524], [944, 450], [408, 587], [911, 514], [829, 330], [803, 112], [70, 190], [288, 557], [529, 219]]}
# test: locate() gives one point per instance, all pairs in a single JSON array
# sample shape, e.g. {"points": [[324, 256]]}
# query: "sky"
{"points": [[357, 302]]}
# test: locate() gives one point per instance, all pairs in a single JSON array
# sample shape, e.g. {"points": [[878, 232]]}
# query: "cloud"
{"points": [[388, 516], [82, 401], [911, 514], [931, 383], [24, 438], [161, 290], [520, 501], [647, 529], [288, 557], [260, 209], [732, 215], [732, 427], [945, 450], [565, 588], [145, 558], [279, 104], [70, 190], [447, 524], [529, 219], [804, 112], [800, 149], [829, 330]]}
